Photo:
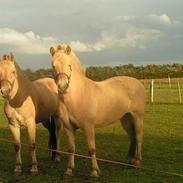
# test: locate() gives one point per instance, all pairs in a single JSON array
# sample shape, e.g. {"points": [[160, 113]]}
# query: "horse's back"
{"points": [[132, 88], [128, 91], [49, 82], [46, 97]]}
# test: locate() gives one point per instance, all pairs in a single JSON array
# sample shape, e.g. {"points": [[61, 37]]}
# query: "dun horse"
{"points": [[91, 105], [27, 103]]}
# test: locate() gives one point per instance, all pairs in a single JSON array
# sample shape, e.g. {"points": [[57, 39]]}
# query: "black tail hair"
{"points": [[52, 139]]}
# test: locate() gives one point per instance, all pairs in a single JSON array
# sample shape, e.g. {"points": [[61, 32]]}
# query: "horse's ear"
{"points": [[52, 51], [11, 57], [68, 50]]}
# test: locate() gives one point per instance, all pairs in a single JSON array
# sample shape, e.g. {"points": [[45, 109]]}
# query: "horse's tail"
{"points": [[53, 140], [129, 126]]}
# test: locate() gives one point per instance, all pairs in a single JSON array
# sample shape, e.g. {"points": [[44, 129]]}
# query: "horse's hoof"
{"points": [[135, 162], [18, 172], [33, 172], [67, 176], [57, 159], [92, 178]]}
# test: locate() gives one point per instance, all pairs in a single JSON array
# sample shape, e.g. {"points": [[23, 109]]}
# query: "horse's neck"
{"points": [[23, 81], [21, 88], [77, 83]]}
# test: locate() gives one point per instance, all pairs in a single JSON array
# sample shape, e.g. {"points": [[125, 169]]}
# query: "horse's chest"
{"points": [[17, 119]]}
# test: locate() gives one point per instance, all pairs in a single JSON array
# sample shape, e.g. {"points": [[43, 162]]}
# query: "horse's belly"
{"points": [[105, 119], [47, 106], [45, 113], [105, 115]]}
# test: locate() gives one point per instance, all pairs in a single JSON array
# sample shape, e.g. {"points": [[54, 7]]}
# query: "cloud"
{"points": [[27, 42], [132, 39], [31, 43], [162, 19]]}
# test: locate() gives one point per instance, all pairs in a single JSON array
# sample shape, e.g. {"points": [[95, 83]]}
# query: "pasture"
{"points": [[163, 91], [162, 150]]}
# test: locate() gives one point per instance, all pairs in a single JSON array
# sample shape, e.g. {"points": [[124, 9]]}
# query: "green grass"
{"points": [[163, 93], [162, 150]]}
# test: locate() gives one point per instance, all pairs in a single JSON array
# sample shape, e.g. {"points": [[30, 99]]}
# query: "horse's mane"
{"points": [[77, 63], [19, 71], [74, 58]]}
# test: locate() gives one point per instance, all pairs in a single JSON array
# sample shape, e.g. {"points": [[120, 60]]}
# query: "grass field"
{"points": [[162, 150], [163, 93]]}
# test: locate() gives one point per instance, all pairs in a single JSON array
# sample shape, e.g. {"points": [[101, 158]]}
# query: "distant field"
{"points": [[164, 80], [163, 150], [163, 91]]}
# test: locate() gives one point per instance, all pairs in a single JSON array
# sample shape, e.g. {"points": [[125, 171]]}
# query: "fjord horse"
{"points": [[27, 103], [91, 105]]}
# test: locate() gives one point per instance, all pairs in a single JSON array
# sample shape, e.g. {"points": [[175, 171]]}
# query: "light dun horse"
{"points": [[27, 103], [93, 105]]}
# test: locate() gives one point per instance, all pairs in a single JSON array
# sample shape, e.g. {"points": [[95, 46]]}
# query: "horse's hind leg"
{"points": [[47, 125], [139, 138], [133, 125], [16, 136]]}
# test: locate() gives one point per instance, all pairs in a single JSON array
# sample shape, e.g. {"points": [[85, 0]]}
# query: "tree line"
{"points": [[99, 73]]}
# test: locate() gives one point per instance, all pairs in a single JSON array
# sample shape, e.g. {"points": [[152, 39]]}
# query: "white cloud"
{"points": [[164, 19], [27, 42], [132, 39], [80, 47], [31, 43]]}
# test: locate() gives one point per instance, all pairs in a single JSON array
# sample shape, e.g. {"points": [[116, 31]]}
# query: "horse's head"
{"points": [[8, 75], [62, 66]]}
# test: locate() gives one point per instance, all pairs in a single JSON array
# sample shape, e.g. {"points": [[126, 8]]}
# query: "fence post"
{"points": [[169, 81], [180, 97], [152, 91]]}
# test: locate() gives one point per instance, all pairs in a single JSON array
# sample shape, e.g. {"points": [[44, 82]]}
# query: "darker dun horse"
{"points": [[91, 105], [27, 103]]}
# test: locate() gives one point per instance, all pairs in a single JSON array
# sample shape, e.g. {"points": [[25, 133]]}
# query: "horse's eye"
{"points": [[13, 72]]}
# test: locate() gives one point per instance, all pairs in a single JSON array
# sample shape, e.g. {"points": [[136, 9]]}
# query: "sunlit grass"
{"points": [[162, 150]]}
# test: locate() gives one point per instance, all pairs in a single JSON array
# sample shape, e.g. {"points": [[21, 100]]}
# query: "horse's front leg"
{"points": [[90, 138], [71, 149], [31, 138], [16, 136]]}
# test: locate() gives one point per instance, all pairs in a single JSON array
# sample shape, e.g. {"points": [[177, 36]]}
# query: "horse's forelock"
{"points": [[5, 57], [61, 47]]}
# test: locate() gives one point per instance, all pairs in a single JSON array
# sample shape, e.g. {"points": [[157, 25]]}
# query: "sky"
{"points": [[100, 32]]}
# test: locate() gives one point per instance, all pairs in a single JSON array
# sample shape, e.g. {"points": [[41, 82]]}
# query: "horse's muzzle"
{"points": [[5, 92], [62, 86], [62, 81], [5, 89]]}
